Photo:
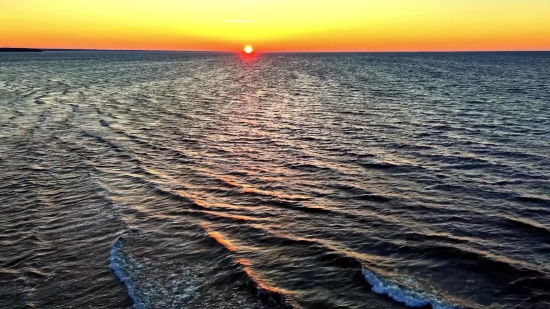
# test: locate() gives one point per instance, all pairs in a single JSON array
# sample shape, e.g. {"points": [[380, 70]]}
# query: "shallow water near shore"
{"points": [[204, 180]]}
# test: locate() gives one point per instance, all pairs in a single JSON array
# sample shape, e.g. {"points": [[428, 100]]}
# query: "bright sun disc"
{"points": [[248, 49]]}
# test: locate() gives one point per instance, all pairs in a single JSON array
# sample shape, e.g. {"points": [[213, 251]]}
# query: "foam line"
{"points": [[402, 294], [116, 264]]}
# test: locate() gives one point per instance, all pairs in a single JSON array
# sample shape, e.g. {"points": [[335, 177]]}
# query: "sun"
{"points": [[248, 49]]}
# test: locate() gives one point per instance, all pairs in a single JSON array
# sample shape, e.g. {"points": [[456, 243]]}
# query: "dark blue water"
{"points": [[189, 180]]}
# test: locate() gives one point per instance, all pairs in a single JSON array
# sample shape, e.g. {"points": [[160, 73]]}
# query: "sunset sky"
{"points": [[277, 25]]}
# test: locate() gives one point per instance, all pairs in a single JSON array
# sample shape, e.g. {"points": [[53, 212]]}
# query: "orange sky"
{"points": [[277, 25]]}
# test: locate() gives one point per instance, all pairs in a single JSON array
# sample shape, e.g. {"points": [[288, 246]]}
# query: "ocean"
{"points": [[207, 180]]}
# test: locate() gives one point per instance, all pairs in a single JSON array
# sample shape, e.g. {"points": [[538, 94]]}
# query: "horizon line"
{"points": [[283, 52]]}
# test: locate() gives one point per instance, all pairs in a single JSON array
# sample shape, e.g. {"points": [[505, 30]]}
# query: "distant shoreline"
{"points": [[19, 50]]}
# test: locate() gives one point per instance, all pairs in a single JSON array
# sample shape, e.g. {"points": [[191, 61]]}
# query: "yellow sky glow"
{"points": [[277, 25]]}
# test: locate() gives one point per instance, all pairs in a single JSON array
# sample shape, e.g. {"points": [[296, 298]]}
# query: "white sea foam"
{"points": [[117, 264], [400, 294]]}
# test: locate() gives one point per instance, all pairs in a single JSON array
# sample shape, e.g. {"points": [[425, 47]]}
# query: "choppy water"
{"points": [[166, 180]]}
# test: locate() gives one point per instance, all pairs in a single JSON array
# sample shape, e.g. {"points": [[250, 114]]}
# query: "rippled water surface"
{"points": [[177, 180]]}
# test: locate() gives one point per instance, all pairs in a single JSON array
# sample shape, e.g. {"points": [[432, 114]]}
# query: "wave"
{"points": [[381, 165], [494, 266], [533, 200], [526, 225], [308, 167], [403, 294], [118, 264], [241, 271], [354, 192], [102, 140]]}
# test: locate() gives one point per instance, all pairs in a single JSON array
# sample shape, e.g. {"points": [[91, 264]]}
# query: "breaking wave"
{"points": [[118, 263], [402, 294]]}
